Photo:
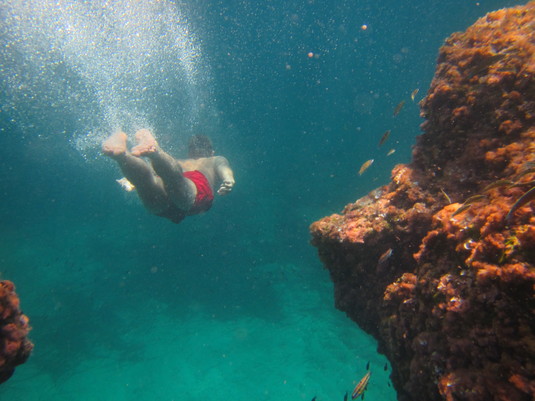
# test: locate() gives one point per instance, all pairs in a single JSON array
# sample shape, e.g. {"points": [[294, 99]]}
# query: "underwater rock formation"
{"points": [[439, 265], [15, 348]]}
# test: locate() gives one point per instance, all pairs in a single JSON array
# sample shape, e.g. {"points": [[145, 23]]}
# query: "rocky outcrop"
{"points": [[15, 348], [439, 265]]}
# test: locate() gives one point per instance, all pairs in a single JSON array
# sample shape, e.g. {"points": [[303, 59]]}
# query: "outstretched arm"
{"points": [[225, 174]]}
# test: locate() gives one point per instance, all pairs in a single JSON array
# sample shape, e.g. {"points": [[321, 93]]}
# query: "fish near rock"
{"points": [[365, 166]]}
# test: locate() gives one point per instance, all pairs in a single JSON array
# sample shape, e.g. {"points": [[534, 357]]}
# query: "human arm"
{"points": [[225, 175]]}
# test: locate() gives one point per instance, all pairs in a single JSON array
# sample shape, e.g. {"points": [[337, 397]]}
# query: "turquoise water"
{"points": [[233, 304]]}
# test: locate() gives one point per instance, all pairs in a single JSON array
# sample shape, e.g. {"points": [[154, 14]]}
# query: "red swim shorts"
{"points": [[203, 200], [205, 196]]}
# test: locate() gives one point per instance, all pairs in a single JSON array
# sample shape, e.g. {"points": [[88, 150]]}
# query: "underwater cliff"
{"points": [[439, 265]]}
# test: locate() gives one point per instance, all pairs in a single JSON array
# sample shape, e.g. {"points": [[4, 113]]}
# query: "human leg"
{"points": [[181, 191], [149, 186]]}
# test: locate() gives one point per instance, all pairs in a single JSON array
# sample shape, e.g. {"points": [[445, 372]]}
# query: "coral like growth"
{"points": [[15, 348], [453, 304]]}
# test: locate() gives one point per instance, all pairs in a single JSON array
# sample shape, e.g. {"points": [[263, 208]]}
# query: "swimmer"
{"points": [[168, 187]]}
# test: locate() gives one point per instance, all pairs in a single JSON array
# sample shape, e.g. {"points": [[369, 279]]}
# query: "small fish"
{"points": [[314, 399], [391, 152], [365, 166], [524, 199], [523, 184], [460, 209], [345, 396], [475, 199], [126, 185], [383, 258], [497, 184], [526, 170], [445, 195], [384, 137], [361, 386], [368, 366], [414, 93], [386, 367], [399, 107]]}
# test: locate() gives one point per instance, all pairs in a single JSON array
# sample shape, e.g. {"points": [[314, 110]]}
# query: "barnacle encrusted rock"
{"points": [[453, 307], [15, 348]]}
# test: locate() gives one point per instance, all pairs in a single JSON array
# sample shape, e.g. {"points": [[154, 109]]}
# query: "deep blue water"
{"points": [[232, 304]]}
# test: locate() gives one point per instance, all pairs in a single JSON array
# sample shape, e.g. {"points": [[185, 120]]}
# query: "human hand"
{"points": [[226, 187]]}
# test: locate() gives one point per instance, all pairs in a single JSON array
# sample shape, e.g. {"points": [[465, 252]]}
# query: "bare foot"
{"points": [[115, 145], [146, 144]]}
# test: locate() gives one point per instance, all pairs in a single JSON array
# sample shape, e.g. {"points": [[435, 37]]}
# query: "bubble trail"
{"points": [[97, 65]]}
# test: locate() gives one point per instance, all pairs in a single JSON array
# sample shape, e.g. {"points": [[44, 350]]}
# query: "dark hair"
{"points": [[200, 146]]}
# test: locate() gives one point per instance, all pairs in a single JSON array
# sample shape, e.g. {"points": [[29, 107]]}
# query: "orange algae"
{"points": [[15, 348], [453, 310]]}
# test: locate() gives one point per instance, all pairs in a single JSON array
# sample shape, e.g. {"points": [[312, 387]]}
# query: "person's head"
{"points": [[200, 146]]}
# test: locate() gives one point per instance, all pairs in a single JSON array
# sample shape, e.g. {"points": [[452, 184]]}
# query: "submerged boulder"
{"points": [[439, 265], [15, 348]]}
